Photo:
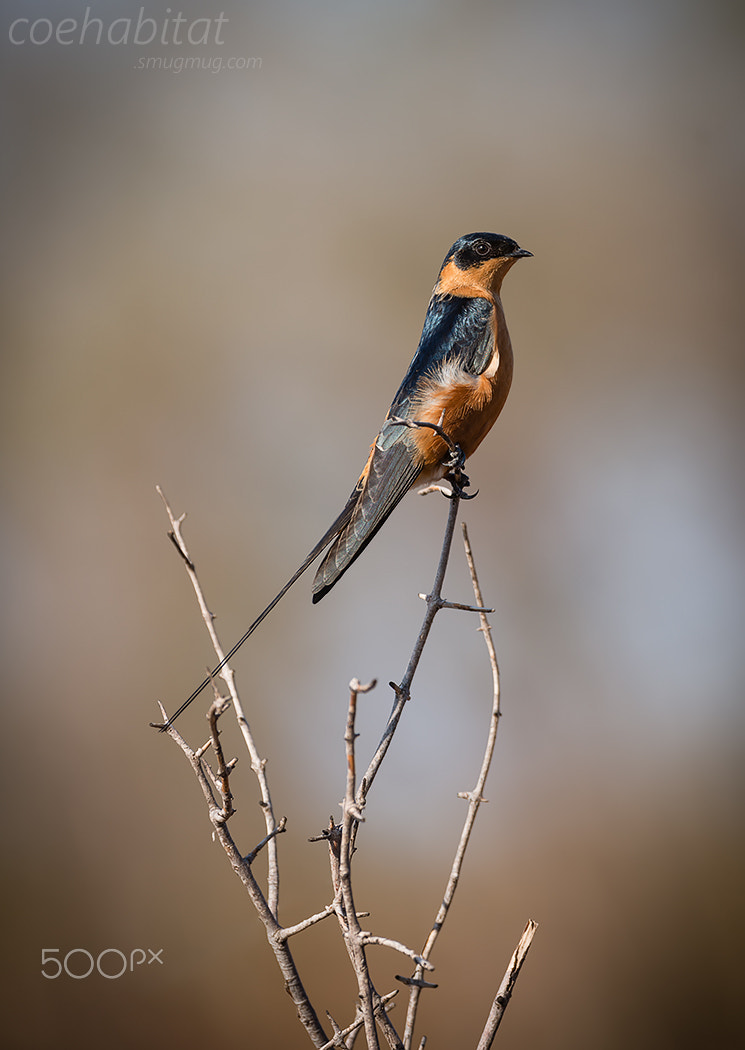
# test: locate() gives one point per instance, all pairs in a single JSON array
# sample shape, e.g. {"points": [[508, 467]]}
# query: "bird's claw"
{"points": [[459, 482], [456, 476]]}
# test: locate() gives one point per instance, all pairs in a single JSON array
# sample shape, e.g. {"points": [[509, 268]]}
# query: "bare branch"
{"points": [[282, 826], [290, 931], [266, 907], [341, 848], [474, 798], [387, 942], [294, 985], [459, 605], [257, 763], [222, 778], [502, 998], [402, 691], [356, 1025], [349, 920]]}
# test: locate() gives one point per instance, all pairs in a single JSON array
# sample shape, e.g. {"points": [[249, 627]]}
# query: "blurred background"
{"points": [[214, 279]]}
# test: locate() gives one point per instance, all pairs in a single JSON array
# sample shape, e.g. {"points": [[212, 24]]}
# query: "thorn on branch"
{"points": [[290, 931], [338, 1039], [175, 540], [165, 724], [415, 982], [331, 834], [174, 534]]}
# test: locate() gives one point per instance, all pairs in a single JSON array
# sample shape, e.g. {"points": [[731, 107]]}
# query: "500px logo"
{"points": [[141, 30], [110, 968]]}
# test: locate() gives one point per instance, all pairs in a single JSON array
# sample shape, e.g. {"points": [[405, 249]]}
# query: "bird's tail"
{"points": [[330, 534]]}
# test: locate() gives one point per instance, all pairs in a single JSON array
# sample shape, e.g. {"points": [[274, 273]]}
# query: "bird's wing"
{"points": [[456, 329], [393, 468]]}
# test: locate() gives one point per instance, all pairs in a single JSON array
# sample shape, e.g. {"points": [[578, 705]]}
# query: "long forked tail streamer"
{"points": [[328, 536]]}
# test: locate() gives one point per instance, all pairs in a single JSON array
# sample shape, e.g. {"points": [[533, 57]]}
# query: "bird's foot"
{"points": [[459, 482]]}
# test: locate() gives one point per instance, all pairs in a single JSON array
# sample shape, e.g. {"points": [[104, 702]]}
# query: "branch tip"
{"points": [[356, 686]]}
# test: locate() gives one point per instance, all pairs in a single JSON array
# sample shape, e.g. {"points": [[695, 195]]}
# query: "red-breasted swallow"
{"points": [[458, 380]]}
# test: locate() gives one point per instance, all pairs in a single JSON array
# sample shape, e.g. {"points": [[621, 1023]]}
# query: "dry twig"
{"points": [[505, 989], [257, 763], [474, 799]]}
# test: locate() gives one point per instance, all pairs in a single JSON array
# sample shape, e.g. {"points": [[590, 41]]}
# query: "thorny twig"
{"points": [[257, 763], [222, 779], [340, 851], [266, 906], [242, 867], [402, 690], [474, 799]]}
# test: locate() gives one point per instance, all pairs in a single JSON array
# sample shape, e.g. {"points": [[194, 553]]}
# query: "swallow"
{"points": [[453, 391]]}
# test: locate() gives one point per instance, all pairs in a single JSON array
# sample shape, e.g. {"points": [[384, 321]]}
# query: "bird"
{"points": [[451, 395]]}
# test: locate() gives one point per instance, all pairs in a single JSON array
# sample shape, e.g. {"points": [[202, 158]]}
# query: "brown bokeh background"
{"points": [[214, 281]]}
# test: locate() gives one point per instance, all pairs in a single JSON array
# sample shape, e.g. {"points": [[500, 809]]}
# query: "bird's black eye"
{"points": [[481, 248]]}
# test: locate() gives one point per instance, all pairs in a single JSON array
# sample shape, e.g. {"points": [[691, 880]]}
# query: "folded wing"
{"points": [[393, 468]]}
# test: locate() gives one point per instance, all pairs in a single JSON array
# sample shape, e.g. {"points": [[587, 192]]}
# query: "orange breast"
{"points": [[465, 406]]}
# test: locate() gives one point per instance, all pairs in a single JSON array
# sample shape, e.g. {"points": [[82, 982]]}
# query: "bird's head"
{"points": [[476, 264]]}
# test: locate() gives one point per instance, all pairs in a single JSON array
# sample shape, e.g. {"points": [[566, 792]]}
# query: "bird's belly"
{"points": [[466, 409]]}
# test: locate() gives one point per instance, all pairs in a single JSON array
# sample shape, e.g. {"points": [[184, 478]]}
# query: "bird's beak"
{"points": [[522, 253]]}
